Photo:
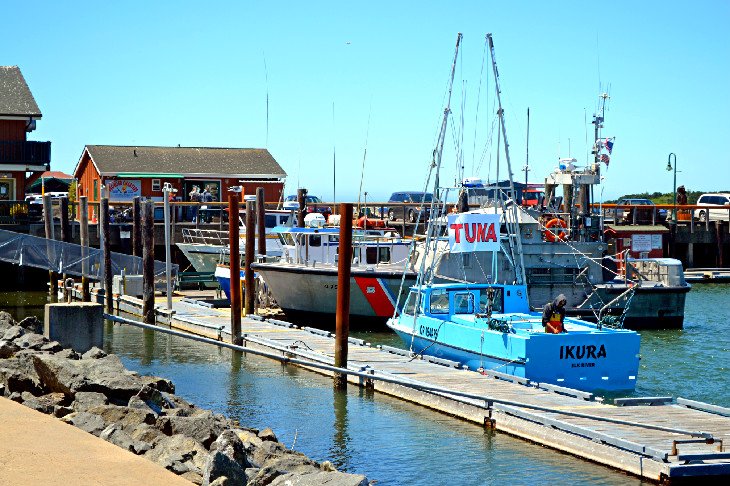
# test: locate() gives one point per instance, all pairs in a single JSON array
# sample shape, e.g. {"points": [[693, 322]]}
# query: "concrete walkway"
{"points": [[40, 449]]}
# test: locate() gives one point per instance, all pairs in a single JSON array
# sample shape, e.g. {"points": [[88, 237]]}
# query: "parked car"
{"points": [[715, 214], [409, 213], [314, 204], [646, 212]]}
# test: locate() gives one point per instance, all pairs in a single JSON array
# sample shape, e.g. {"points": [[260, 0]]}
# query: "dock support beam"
{"points": [[50, 235], [249, 253], [136, 227], [148, 264], [301, 198], [342, 318], [106, 252], [84, 237], [261, 220], [234, 263]]}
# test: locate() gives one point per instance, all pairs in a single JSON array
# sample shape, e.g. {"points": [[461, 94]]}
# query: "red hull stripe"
{"points": [[378, 297]]}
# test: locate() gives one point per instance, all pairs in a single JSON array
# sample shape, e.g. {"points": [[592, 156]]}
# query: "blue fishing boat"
{"points": [[491, 327], [488, 325]]}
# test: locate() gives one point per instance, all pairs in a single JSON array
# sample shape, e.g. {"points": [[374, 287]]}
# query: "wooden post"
{"points": [[301, 193], [50, 235], [342, 318], [136, 227], [65, 232], [148, 263], [261, 221], [84, 237], [249, 253], [235, 266], [106, 251]]}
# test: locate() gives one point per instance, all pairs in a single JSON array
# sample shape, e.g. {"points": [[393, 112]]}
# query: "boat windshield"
{"points": [[497, 300]]}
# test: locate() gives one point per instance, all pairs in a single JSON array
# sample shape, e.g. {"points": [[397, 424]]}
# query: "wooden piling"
{"points": [[50, 235], [136, 227], [301, 198], [84, 237], [249, 254], [106, 251], [65, 230], [342, 318], [235, 266], [148, 263], [261, 221]]}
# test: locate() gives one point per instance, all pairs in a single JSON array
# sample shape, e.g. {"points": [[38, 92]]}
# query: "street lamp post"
{"points": [[669, 169]]}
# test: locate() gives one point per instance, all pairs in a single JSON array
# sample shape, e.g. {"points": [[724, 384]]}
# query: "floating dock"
{"points": [[707, 275], [657, 438]]}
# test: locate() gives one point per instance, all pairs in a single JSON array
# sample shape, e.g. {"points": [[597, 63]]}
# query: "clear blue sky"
{"points": [[193, 73]]}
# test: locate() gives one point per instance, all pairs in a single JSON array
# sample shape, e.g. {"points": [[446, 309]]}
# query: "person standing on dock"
{"points": [[553, 315], [194, 197]]}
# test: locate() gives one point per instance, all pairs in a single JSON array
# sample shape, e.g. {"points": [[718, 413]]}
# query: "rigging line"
{"points": [[364, 156], [476, 115], [266, 74], [334, 158]]}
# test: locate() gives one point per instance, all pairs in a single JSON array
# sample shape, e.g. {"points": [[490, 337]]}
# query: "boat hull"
{"points": [[599, 360], [310, 294]]}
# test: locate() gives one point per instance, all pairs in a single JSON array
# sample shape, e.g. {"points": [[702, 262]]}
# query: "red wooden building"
{"points": [[126, 172], [19, 157]]}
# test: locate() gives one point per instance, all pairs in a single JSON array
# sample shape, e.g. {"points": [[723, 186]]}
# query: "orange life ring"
{"points": [[552, 237], [369, 223]]}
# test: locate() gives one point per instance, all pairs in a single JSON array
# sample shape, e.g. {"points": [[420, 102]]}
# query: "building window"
{"points": [[156, 185], [96, 189]]}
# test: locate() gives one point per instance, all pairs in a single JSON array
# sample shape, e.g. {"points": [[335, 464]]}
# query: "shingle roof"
{"points": [[185, 160], [15, 96]]}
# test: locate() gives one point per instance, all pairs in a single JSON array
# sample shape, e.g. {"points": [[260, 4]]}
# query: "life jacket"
{"points": [[555, 324]]}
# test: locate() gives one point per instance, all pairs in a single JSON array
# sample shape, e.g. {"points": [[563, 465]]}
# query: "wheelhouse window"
{"points": [[439, 303], [463, 303], [270, 220], [410, 306], [375, 255], [497, 300], [315, 240]]}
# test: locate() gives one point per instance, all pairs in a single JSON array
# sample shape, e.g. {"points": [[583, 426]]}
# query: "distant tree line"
{"points": [[660, 197]]}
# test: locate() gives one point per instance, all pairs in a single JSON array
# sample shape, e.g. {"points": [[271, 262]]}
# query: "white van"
{"points": [[715, 214]]}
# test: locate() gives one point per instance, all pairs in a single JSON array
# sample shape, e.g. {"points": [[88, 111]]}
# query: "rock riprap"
{"points": [[141, 414]]}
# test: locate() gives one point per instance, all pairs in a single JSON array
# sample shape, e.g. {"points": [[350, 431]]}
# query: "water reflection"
{"points": [[339, 452]]}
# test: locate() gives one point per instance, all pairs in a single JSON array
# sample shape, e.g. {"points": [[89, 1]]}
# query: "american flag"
{"points": [[605, 159], [609, 145]]}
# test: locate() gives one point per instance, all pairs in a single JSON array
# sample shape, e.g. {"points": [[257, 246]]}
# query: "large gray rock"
{"points": [[6, 321], [152, 398], [45, 403], [267, 434], [203, 426], [179, 454], [86, 421], [32, 324], [86, 400], [93, 353], [115, 434], [7, 349], [13, 333], [18, 375], [105, 375], [30, 340], [127, 418], [227, 459], [295, 463], [320, 478], [52, 347], [148, 434]]}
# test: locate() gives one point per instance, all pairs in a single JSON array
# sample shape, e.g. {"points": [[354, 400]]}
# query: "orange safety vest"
{"points": [[554, 325]]}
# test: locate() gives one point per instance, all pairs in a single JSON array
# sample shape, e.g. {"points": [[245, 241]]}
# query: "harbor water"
{"points": [[396, 442]]}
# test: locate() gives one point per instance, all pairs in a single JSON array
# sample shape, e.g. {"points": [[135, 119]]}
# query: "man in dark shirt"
{"points": [[553, 315]]}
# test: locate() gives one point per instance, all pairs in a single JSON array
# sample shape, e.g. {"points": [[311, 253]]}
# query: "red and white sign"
{"points": [[123, 189], [473, 232]]}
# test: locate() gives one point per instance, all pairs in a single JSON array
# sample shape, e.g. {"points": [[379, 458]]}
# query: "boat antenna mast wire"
{"points": [[513, 226]]}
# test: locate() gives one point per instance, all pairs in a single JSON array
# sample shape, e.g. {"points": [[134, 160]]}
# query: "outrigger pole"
{"points": [[513, 228]]}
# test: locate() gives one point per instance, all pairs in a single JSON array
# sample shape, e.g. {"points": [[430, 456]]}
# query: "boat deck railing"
{"points": [[204, 236]]}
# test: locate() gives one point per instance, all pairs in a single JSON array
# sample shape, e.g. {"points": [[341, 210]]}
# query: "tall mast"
{"points": [[432, 232], [513, 227], [527, 148]]}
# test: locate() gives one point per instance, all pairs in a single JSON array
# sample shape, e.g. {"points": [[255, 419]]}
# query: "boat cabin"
{"points": [[443, 301]]}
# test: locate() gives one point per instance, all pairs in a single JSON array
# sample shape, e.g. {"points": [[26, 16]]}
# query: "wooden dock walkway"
{"points": [[654, 438]]}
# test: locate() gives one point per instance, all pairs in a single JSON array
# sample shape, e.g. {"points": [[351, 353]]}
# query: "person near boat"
{"points": [[553, 315]]}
